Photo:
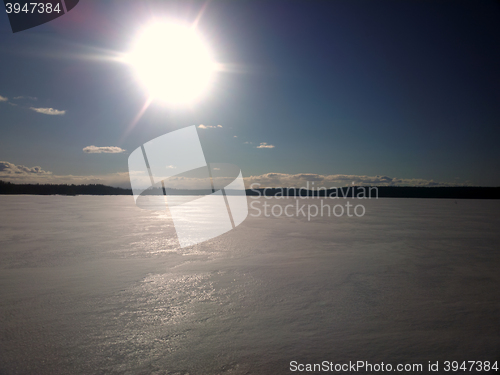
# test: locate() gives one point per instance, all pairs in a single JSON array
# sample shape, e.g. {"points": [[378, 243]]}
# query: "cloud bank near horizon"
{"points": [[11, 170], [336, 180], [21, 174]]}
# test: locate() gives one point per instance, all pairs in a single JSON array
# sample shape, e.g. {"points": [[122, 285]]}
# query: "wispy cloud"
{"points": [[247, 143], [201, 126], [103, 150], [3, 98], [48, 111], [265, 145], [25, 97]]}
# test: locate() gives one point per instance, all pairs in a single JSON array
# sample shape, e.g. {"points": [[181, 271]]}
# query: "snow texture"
{"points": [[95, 285]]}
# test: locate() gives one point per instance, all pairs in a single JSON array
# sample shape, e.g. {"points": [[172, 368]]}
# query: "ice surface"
{"points": [[95, 285]]}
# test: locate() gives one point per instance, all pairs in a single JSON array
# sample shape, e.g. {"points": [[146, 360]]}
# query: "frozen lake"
{"points": [[95, 285]]}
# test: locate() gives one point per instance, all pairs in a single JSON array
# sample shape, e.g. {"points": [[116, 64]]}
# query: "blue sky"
{"points": [[348, 90]]}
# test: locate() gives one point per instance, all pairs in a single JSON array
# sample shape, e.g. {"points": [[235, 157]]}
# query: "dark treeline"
{"points": [[452, 192], [49, 189]]}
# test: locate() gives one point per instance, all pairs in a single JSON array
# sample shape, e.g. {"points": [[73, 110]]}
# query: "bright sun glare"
{"points": [[172, 62]]}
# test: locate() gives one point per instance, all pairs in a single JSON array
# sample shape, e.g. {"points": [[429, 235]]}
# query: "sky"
{"points": [[370, 92]]}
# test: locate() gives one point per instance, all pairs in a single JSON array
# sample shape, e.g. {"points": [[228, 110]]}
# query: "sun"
{"points": [[172, 62]]}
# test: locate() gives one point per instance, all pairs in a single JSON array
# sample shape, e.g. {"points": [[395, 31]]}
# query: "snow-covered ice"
{"points": [[95, 285]]}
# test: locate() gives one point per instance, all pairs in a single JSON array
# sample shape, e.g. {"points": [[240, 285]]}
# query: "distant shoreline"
{"points": [[442, 192]]}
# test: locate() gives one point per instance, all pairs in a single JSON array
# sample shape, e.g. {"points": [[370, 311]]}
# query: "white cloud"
{"points": [[103, 150], [201, 126], [11, 170], [265, 145], [3, 98], [48, 111], [235, 136], [247, 143], [170, 167]]}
